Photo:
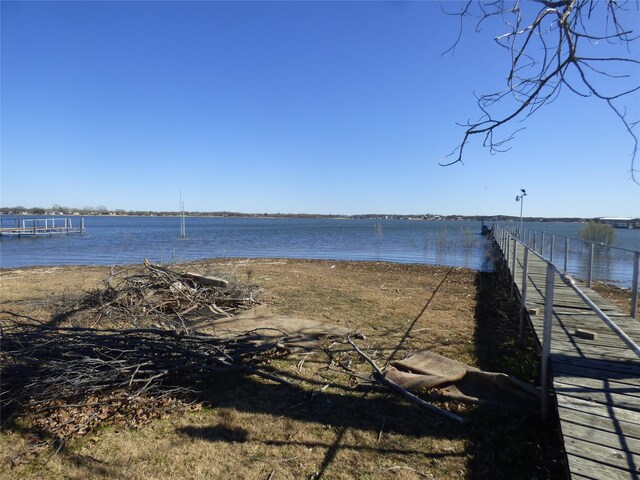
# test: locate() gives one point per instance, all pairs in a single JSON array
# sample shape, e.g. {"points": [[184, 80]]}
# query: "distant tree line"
{"points": [[59, 210], [102, 210]]}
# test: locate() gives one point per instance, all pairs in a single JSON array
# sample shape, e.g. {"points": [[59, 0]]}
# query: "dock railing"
{"points": [[581, 258], [30, 227], [510, 245]]}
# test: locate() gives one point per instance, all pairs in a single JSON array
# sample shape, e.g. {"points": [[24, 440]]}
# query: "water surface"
{"points": [[123, 240]]}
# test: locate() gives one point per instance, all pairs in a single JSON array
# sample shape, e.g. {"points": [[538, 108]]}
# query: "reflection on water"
{"points": [[489, 256]]}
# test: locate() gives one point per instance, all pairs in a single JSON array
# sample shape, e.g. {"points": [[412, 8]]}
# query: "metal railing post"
{"points": [[566, 253], [634, 286], [513, 267], [523, 296], [546, 340], [553, 240], [542, 244], [590, 271], [534, 240], [506, 250]]}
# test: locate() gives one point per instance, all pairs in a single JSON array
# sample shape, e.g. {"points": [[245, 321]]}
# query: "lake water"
{"points": [[124, 240]]}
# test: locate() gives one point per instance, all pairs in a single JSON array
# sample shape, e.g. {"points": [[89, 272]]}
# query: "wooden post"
{"points": [[546, 340], [542, 244], [523, 297], [553, 240], [566, 253]]}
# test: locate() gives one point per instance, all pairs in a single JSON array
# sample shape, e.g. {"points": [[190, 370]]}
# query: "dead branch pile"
{"points": [[81, 377], [70, 378], [160, 296]]}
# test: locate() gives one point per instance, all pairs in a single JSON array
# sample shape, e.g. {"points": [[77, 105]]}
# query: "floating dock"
{"points": [[39, 227]]}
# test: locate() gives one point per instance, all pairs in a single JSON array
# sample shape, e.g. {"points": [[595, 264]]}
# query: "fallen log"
{"points": [[205, 280], [202, 279]]}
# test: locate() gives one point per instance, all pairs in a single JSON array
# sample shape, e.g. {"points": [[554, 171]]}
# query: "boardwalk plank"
{"points": [[613, 413], [607, 440], [611, 457], [605, 397], [589, 469], [629, 368], [603, 424], [564, 369], [625, 436], [565, 383]]}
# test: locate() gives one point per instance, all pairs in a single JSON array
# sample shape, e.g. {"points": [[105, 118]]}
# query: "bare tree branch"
{"points": [[551, 45]]}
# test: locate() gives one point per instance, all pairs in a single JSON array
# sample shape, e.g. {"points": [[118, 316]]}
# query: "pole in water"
{"points": [[183, 230]]}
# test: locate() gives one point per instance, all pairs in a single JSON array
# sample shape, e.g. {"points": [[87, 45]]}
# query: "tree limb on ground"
{"points": [[380, 377]]}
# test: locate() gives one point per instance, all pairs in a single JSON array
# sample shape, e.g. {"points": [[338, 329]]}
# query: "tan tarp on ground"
{"points": [[455, 380]]}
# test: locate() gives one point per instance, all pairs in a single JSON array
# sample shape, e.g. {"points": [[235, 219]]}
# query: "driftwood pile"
{"points": [[69, 378], [160, 296]]}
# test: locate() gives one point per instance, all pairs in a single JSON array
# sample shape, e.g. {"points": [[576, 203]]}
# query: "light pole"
{"points": [[520, 198]]}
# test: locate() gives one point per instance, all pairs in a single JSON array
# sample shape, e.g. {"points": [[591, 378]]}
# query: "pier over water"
{"points": [[590, 360], [37, 227]]}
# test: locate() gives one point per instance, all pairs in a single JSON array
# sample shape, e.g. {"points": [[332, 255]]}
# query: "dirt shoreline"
{"points": [[331, 429]]}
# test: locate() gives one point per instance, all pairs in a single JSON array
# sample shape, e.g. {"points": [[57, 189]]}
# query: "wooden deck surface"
{"points": [[596, 382]]}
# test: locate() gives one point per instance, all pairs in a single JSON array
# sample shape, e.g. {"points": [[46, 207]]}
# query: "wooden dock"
{"points": [[38, 227], [594, 375]]}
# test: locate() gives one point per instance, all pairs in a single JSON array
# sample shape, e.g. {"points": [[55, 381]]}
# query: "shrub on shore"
{"points": [[601, 233]]}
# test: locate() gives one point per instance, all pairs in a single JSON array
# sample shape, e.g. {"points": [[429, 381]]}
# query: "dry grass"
{"points": [[326, 427], [621, 297]]}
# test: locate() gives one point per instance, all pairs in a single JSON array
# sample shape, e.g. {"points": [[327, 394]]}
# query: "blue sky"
{"points": [[314, 107]]}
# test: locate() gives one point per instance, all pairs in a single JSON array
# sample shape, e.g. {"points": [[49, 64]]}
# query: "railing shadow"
{"points": [[526, 447]]}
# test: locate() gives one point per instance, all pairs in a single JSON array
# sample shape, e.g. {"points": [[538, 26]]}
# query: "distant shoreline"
{"points": [[372, 216]]}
